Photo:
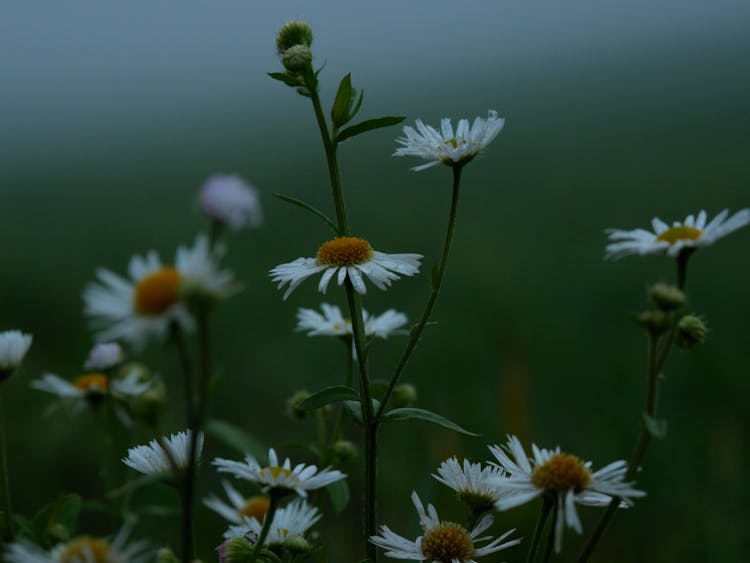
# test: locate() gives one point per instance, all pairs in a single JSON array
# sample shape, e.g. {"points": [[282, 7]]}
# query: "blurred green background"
{"points": [[113, 116]]}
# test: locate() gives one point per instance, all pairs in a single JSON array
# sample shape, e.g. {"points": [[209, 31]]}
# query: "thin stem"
{"points": [[267, 521], [552, 529], [547, 505], [187, 371], [437, 283], [337, 430], [6, 518]]}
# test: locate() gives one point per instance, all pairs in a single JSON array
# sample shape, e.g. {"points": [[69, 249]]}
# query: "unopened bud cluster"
{"points": [[293, 45], [690, 331]]}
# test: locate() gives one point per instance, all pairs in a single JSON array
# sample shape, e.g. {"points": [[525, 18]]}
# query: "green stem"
{"points": [[659, 348], [267, 521], [6, 518], [547, 505], [551, 536], [437, 283]]}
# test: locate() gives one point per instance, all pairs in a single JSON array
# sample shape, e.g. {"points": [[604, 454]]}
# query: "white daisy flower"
{"points": [[332, 322], [231, 200], [13, 347], [152, 459], [350, 257], [564, 477], [155, 295], [441, 541], [291, 521], [447, 146], [691, 233], [103, 356], [90, 386], [300, 479], [83, 549], [474, 484], [239, 507]]}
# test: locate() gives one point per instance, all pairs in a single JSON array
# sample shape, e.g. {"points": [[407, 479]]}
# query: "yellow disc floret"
{"points": [[681, 232], [157, 292], [275, 472], [92, 383], [447, 542], [561, 473], [344, 251], [255, 507], [85, 548]]}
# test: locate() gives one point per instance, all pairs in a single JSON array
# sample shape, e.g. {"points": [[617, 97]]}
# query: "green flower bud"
{"points": [[236, 550], [667, 297], [690, 331], [297, 544], [165, 555], [344, 450], [293, 403], [293, 33], [655, 322], [297, 58], [404, 395]]}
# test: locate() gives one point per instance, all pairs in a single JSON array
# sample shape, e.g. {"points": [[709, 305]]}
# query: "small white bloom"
{"points": [[442, 541], [91, 386], [447, 146], [332, 322], [344, 257], [152, 459], [83, 549], [474, 484], [565, 476], [154, 296], [300, 479], [13, 347], [104, 355], [239, 507], [693, 232], [231, 200], [291, 521]]}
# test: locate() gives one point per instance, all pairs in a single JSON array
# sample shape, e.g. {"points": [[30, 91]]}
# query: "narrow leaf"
{"points": [[358, 105], [369, 125], [339, 495], [308, 207], [340, 109], [236, 438], [287, 79], [657, 427], [327, 396], [428, 416]]}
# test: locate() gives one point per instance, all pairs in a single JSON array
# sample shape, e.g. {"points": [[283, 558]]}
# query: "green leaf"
{"points": [[369, 125], [657, 427], [343, 101], [236, 438], [310, 208], [355, 409], [339, 494], [59, 519], [327, 396], [358, 105], [421, 414], [288, 79]]}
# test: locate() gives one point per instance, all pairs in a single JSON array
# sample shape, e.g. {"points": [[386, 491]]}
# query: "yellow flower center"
{"points": [[447, 542], [255, 507], [92, 383], [157, 292], [344, 251], [674, 234], [561, 473], [275, 472], [85, 548]]}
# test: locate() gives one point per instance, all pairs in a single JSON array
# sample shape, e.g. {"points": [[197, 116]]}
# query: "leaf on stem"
{"points": [[354, 408], [334, 394], [343, 101], [60, 518], [409, 413], [338, 492], [236, 438], [657, 427], [310, 208], [288, 79], [369, 125]]}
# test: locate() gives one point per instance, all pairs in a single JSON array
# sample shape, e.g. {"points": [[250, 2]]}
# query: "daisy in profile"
{"points": [[231, 201], [13, 347], [90, 387], [563, 477], [346, 257], [83, 549], [331, 322], [239, 507], [691, 233], [474, 484], [289, 523], [279, 477], [152, 459], [441, 541], [156, 295], [448, 146]]}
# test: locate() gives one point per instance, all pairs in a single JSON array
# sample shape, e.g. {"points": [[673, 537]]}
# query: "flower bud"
{"points": [[404, 395], [293, 403], [344, 450], [235, 550], [293, 33], [690, 331], [231, 201], [165, 555], [297, 544], [655, 322], [297, 58], [667, 297]]}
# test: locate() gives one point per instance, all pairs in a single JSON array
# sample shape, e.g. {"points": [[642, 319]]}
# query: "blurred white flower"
{"points": [[103, 356], [231, 200], [474, 484], [289, 522], [13, 347], [239, 507], [152, 459]]}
